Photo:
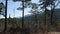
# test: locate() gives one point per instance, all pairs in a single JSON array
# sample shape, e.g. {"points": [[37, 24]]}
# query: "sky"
{"points": [[12, 6], [12, 9]]}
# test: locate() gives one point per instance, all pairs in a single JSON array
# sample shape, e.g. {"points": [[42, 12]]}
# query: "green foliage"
{"points": [[57, 22], [2, 7]]}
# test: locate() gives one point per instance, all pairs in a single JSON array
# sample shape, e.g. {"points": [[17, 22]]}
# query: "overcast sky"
{"points": [[12, 6]]}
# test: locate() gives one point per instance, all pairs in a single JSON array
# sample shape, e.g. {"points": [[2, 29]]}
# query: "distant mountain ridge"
{"points": [[56, 16]]}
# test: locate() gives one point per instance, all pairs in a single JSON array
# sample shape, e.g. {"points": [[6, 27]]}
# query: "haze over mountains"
{"points": [[56, 16]]}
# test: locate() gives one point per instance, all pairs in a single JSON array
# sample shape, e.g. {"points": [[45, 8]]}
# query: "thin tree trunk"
{"points": [[23, 27], [52, 11], [36, 29], [5, 24], [46, 18]]}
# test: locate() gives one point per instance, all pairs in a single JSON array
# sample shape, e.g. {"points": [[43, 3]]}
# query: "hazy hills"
{"points": [[56, 16]]}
